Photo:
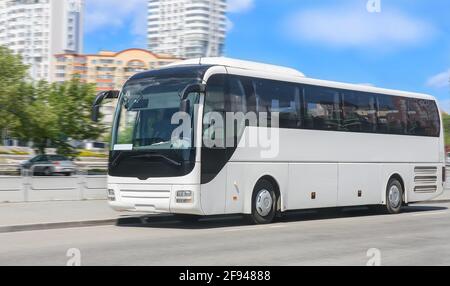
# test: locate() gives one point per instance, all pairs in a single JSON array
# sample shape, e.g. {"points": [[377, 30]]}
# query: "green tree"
{"points": [[36, 116], [54, 114], [12, 77], [446, 119], [72, 102], [46, 114]]}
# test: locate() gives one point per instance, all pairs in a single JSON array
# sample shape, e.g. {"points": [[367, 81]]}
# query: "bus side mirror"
{"points": [[192, 88], [185, 105], [110, 94]]}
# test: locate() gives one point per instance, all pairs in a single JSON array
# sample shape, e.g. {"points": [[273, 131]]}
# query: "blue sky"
{"points": [[404, 46]]}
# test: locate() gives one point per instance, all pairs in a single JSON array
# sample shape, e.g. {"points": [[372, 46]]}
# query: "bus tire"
{"points": [[394, 197], [264, 203]]}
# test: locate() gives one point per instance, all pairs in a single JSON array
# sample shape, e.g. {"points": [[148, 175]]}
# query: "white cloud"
{"points": [[240, 6], [112, 14], [352, 26], [440, 80], [104, 14], [230, 25]]}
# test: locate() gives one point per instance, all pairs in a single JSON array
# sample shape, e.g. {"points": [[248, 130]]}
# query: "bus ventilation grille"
{"points": [[425, 179]]}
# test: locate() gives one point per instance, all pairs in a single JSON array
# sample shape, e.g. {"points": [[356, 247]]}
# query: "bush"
{"points": [[15, 152], [90, 154]]}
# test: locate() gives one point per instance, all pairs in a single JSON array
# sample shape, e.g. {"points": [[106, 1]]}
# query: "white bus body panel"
{"points": [[337, 166], [154, 195]]}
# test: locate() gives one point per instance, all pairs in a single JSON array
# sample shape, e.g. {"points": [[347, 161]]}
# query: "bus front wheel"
{"points": [[394, 197], [264, 201]]}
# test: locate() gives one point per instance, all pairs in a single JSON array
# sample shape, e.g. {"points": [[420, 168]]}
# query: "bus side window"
{"points": [[359, 112], [237, 106], [434, 119], [214, 111], [392, 114], [322, 109], [417, 118], [423, 118], [280, 97]]}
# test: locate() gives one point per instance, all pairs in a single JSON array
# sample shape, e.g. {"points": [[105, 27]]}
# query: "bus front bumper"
{"points": [[182, 199]]}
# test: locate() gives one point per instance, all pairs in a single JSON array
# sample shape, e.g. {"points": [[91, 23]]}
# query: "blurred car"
{"points": [[47, 165]]}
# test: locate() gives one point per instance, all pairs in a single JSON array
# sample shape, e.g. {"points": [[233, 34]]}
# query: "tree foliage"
{"points": [[49, 115], [446, 120], [12, 77]]}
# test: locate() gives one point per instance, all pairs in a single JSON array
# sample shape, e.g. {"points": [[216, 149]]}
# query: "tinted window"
{"points": [[37, 158], [58, 158], [214, 107], [359, 112], [280, 97], [237, 98], [239, 93], [392, 114], [42, 158], [423, 118], [215, 94], [322, 110]]}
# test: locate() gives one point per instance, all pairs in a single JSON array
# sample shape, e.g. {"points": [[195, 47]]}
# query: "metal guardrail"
{"points": [[89, 182]]}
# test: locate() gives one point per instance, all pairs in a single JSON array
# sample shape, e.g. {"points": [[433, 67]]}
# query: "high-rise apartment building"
{"points": [[187, 28], [38, 29]]}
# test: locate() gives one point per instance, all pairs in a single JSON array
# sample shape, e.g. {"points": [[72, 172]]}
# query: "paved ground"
{"points": [[15, 214], [420, 236]]}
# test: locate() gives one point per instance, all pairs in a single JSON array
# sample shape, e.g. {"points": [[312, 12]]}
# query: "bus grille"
{"points": [[145, 194], [425, 179]]}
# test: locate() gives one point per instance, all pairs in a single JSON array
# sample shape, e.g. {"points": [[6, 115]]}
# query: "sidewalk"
{"points": [[42, 215]]}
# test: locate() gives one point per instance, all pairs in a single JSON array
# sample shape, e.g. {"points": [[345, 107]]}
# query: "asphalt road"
{"points": [[419, 236]]}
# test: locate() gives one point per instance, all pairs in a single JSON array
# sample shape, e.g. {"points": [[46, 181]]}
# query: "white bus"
{"points": [[336, 144]]}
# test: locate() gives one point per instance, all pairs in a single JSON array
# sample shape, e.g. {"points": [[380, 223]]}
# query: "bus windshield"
{"points": [[144, 114]]}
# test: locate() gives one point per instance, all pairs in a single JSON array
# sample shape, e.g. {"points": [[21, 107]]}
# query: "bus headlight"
{"points": [[184, 197]]}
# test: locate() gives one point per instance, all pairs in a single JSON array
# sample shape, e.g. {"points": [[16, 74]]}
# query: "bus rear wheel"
{"points": [[264, 201], [394, 197]]}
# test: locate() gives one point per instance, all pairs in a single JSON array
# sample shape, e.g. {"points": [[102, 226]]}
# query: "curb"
{"points": [[121, 221], [57, 225]]}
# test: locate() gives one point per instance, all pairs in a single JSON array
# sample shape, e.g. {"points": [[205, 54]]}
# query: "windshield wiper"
{"points": [[136, 100], [156, 155], [116, 160]]}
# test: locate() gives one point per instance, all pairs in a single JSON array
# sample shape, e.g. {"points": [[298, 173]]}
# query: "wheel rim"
{"points": [[264, 203], [394, 196]]}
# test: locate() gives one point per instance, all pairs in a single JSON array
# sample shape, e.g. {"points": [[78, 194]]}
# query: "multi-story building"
{"points": [[38, 29], [108, 70], [187, 28]]}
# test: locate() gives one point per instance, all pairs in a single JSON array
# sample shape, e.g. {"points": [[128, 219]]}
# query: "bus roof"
{"points": [[290, 74], [235, 63]]}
